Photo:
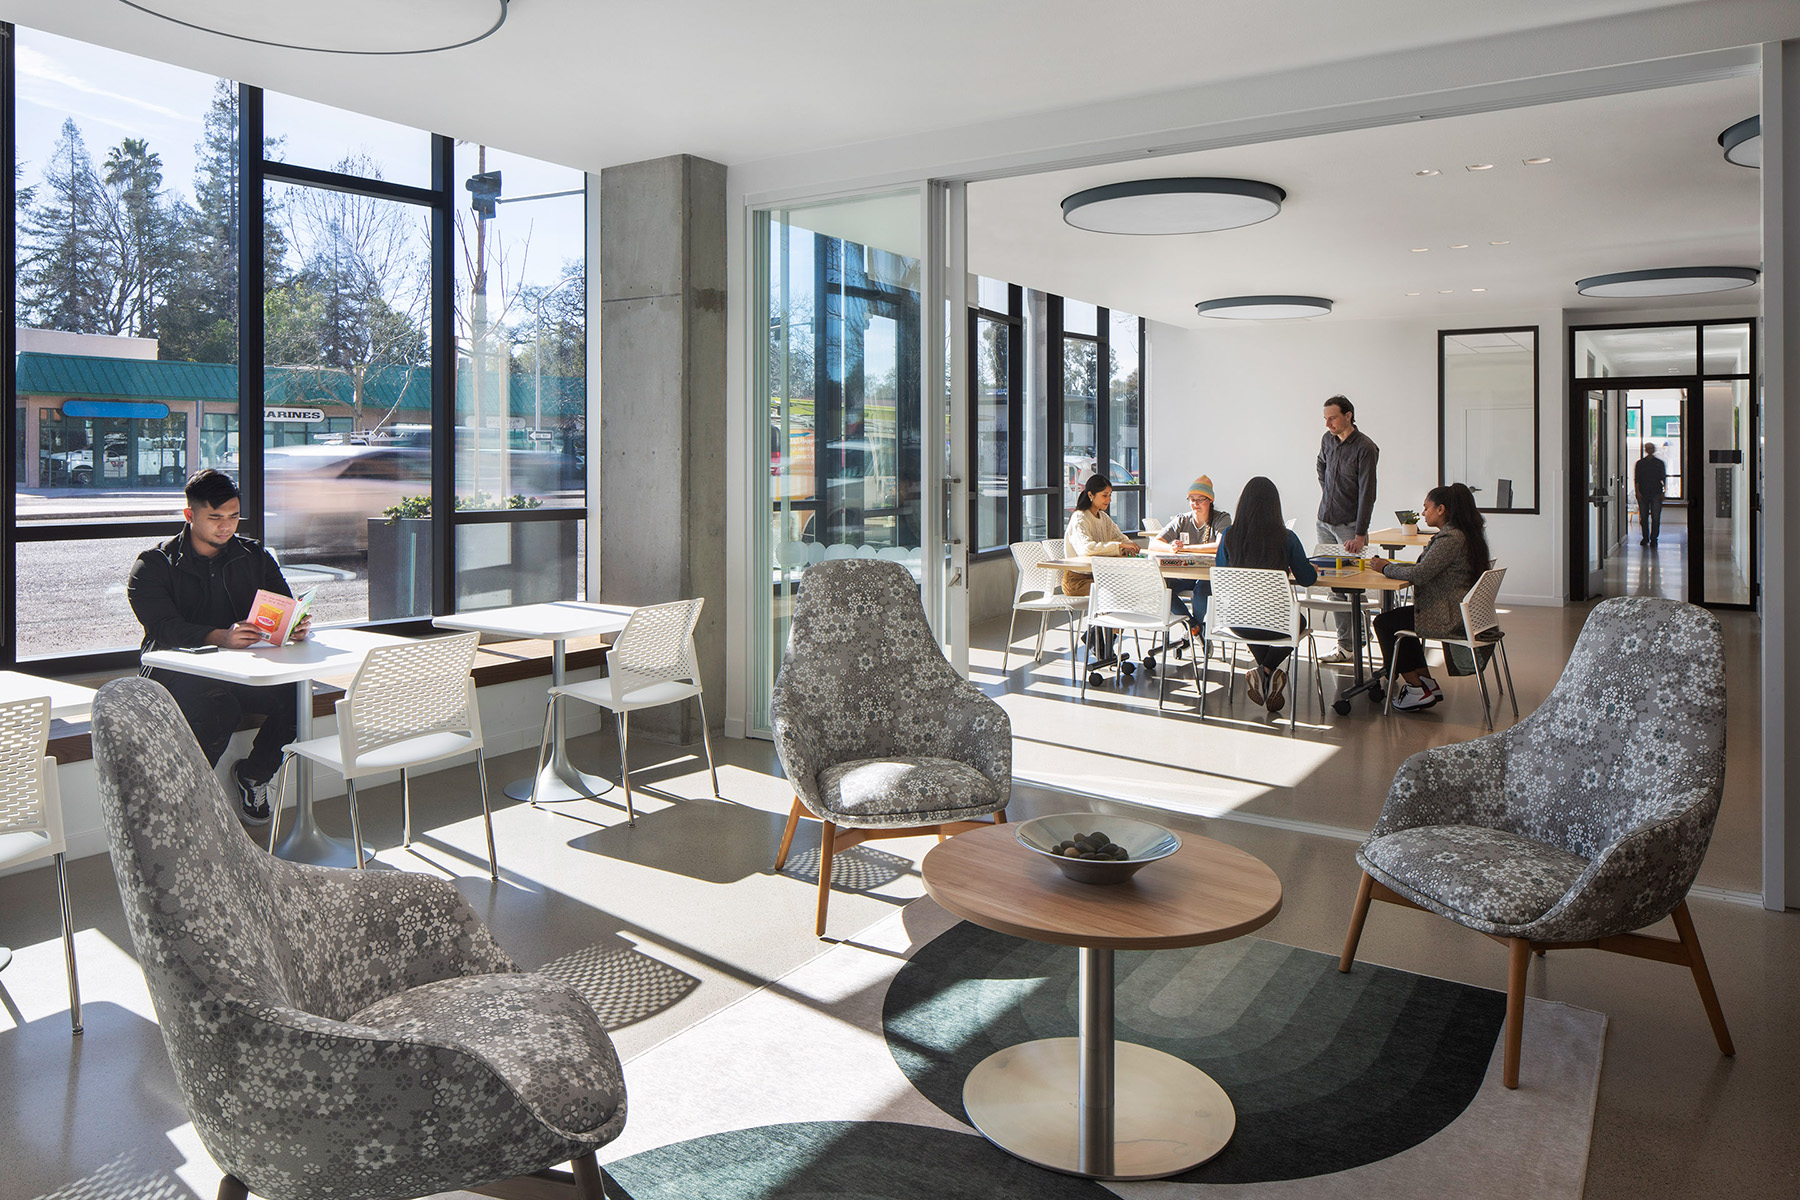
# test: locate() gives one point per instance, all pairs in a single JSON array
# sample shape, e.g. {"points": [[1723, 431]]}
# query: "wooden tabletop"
{"points": [[1205, 892], [1085, 566], [1363, 580], [1399, 537]]}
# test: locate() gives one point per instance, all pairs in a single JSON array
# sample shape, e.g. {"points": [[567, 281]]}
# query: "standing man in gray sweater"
{"points": [[1347, 458]]}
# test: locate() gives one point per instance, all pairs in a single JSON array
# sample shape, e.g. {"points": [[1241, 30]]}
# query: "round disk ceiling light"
{"points": [[1668, 281], [1159, 206], [1743, 143], [339, 26], [1264, 308]]}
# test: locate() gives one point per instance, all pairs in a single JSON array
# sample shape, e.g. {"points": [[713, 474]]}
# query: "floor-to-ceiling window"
{"points": [[416, 296], [837, 384]]}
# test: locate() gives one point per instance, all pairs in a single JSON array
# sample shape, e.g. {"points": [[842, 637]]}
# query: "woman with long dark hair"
{"points": [[1453, 560], [1259, 537], [1092, 534]]}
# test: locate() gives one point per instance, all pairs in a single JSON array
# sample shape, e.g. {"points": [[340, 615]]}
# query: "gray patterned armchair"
{"points": [[1581, 824], [337, 1034], [878, 734]]}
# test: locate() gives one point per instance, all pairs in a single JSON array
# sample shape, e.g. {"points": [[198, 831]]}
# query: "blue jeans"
{"points": [[1198, 593]]}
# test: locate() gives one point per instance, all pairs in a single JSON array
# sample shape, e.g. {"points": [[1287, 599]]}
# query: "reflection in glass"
{"points": [[1081, 384], [1036, 470], [995, 295], [1489, 415], [1727, 349], [309, 134], [1125, 403], [1657, 350], [1080, 317], [1036, 512], [993, 360], [519, 562]]}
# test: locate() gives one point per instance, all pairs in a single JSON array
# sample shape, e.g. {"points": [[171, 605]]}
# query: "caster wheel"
{"points": [[1149, 664], [1341, 708], [1376, 696], [1127, 669], [1095, 679]]}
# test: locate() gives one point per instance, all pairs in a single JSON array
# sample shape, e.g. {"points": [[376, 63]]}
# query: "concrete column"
{"points": [[662, 405], [1781, 472]]}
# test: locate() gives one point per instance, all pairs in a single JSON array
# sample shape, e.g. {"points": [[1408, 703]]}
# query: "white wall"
{"points": [[1248, 399]]}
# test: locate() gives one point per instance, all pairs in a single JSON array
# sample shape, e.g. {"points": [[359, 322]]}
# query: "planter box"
{"points": [[529, 562], [399, 568]]}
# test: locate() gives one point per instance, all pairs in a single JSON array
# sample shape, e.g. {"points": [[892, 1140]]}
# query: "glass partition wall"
{"points": [[413, 294], [837, 377]]}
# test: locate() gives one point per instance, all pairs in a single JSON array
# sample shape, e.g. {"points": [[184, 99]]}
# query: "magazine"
{"points": [[276, 616]]}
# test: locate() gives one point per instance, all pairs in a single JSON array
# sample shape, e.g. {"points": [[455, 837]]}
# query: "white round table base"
{"points": [[1170, 1116], [307, 843], [5, 957], [554, 785]]}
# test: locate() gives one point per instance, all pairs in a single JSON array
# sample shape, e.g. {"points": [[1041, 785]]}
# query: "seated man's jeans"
{"points": [[213, 709]]}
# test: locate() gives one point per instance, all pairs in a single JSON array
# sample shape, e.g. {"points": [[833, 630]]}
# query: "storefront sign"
{"points": [[142, 410], [305, 416]]}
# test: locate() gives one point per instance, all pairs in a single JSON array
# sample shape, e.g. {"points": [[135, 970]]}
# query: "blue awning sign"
{"points": [[145, 410]]}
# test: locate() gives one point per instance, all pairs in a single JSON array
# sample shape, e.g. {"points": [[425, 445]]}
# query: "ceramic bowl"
{"points": [[1146, 842]]}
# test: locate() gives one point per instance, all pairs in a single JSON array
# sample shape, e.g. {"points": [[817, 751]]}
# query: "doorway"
{"points": [[1699, 544]]}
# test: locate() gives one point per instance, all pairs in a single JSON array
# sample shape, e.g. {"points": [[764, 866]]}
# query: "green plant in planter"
{"points": [[409, 507], [420, 506], [1408, 517]]}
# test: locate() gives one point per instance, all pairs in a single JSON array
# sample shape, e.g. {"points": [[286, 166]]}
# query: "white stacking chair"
{"points": [[1038, 589], [1481, 631], [651, 663], [409, 705], [31, 826], [1256, 598], [1129, 596]]}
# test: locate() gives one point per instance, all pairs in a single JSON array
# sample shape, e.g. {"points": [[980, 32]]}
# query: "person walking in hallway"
{"points": [[1650, 479], [1347, 458]]}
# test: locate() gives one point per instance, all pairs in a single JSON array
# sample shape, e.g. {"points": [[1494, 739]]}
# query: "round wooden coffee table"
{"points": [[1088, 1105]]}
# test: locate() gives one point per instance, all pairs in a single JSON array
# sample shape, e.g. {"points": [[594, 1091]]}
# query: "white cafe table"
{"points": [[556, 622], [67, 700], [325, 652]]}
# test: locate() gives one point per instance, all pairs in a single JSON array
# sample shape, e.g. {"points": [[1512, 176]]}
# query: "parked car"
{"points": [[318, 499]]}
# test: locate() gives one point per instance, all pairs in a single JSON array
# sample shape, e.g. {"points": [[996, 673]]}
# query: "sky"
{"points": [[112, 96]]}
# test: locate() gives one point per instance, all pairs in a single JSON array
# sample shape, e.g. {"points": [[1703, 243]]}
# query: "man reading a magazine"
{"points": [[196, 590]]}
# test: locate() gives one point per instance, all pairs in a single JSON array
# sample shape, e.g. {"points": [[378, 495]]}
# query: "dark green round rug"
{"points": [[843, 1160], [1328, 1071]]}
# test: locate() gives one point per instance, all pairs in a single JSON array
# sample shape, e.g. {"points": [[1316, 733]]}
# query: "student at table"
{"points": [[1202, 525], [195, 590], [1259, 537], [1453, 560], [1092, 534]]}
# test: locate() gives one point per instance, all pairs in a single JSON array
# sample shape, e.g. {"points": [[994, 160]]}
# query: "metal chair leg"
{"points": [[62, 895], [405, 809], [1087, 658], [1511, 691], [281, 776], [624, 767], [1037, 653], [706, 741], [1393, 661], [543, 748], [487, 816], [355, 823], [1487, 710], [1006, 655], [1161, 645]]}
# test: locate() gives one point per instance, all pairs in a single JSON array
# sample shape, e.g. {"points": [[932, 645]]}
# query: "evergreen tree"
{"points": [[61, 268], [138, 233]]}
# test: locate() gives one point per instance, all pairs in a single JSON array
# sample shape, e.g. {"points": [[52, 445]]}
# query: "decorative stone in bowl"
{"points": [[1067, 837]]}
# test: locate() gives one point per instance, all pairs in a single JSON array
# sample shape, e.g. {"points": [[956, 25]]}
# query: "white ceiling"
{"points": [[1636, 180], [593, 83]]}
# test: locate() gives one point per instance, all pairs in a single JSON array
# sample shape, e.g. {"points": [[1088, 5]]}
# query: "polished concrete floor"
{"points": [[682, 916]]}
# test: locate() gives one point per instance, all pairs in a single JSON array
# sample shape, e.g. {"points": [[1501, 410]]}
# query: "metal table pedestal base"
{"points": [[305, 841], [1169, 1116], [559, 780]]}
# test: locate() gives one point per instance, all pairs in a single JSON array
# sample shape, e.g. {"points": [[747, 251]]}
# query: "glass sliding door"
{"points": [[837, 386]]}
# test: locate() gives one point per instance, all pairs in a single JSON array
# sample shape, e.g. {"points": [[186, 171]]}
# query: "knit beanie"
{"points": [[1203, 486]]}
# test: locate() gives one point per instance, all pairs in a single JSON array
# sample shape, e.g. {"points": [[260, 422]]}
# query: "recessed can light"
{"points": [[1412, 293], [1479, 167], [1459, 245], [1536, 162], [1428, 171], [1478, 289], [1420, 249], [1445, 291], [1502, 242]]}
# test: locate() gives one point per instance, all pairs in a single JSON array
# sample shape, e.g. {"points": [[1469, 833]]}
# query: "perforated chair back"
{"points": [[1057, 547], [408, 691], [1478, 606], [24, 734], [1035, 580], [656, 646], [1253, 598], [1128, 588]]}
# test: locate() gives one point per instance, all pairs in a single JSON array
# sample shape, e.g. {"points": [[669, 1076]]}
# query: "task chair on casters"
{"points": [[1256, 598], [1038, 589], [31, 826], [409, 705], [651, 663], [356, 1034], [1482, 638], [878, 734], [1581, 824]]}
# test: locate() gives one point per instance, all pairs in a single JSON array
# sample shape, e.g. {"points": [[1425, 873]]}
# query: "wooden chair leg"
{"points": [[1358, 914], [1690, 941], [827, 846], [590, 1181], [787, 835], [1518, 958], [1000, 816], [232, 1188]]}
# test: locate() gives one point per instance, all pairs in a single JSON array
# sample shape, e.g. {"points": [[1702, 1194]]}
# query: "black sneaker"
{"points": [[253, 798]]}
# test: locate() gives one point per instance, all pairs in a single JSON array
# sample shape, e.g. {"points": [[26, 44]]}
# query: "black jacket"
{"points": [[180, 597], [1650, 477]]}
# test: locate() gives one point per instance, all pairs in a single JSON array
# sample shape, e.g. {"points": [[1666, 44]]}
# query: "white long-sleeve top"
{"points": [[1092, 534]]}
